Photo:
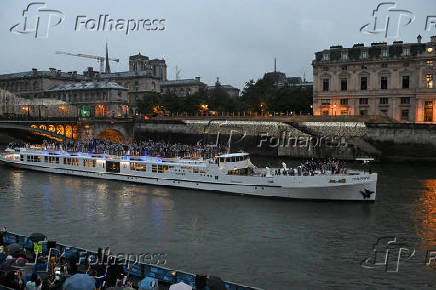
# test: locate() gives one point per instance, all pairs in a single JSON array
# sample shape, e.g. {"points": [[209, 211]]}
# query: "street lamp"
{"points": [[334, 108]]}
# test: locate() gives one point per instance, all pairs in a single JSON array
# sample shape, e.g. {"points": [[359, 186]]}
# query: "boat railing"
{"points": [[138, 270]]}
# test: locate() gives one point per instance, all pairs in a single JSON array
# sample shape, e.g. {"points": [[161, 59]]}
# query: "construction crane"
{"points": [[101, 59]]}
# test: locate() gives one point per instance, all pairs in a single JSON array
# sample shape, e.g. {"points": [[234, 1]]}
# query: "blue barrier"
{"points": [[137, 269]]}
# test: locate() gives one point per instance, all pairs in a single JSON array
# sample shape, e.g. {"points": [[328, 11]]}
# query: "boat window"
{"points": [[196, 170], [89, 163], [71, 161], [136, 166], [154, 168], [33, 158], [51, 159], [21, 157]]}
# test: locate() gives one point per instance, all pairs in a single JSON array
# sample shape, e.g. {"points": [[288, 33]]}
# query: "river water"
{"points": [[271, 244]]}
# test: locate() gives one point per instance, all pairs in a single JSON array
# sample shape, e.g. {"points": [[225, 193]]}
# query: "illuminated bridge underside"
{"points": [[58, 132]]}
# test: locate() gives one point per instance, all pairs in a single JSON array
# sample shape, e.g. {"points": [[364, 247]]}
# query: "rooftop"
{"points": [[86, 86], [38, 74], [185, 82]]}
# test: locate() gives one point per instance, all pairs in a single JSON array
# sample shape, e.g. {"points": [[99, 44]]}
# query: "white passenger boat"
{"points": [[230, 173]]}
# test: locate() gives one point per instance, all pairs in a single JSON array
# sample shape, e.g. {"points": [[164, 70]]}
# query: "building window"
{"points": [[429, 62], [406, 52], [364, 67], [429, 81], [363, 101], [344, 112], [384, 65], [405, 101], [364, 54], [325, 102], [405, 82], [344, 56], [384, 83], [385, 53], [344, 67], [384, 112], [325, 112], [405, 115], [326, 56], [344, 102], [325, 68], [364, 83], [343, 84], [383, 101], [325, 85], [363, 112], [406, 64]]}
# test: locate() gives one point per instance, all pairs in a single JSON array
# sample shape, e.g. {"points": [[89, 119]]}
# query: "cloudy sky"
{"points": [[235, 40]]}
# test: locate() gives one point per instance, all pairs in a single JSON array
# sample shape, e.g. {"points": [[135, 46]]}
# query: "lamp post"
{"points": [[334, 109]]}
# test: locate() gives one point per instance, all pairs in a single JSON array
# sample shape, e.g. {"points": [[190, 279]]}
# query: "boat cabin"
{"points": [[234, 163]]}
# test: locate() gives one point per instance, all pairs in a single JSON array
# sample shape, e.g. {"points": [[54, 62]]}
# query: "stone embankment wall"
{"points": [[345, 140]]}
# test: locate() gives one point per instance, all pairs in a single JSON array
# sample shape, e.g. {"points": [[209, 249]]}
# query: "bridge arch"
{"points": [[111, 135]]}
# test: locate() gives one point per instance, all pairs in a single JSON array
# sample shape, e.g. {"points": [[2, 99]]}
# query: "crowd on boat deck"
{"points": [[143, 148], [312, 167], [21, 268]]}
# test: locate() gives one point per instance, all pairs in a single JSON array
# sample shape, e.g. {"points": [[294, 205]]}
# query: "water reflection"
{"points": [[426, 214]]}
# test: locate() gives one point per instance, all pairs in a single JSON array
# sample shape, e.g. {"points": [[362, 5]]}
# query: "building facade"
{"points": [[93, 99], [33, 84], [396, 81], [182, 88]]}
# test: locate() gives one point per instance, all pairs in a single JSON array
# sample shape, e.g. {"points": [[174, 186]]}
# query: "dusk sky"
{"points": [[235, 40]]}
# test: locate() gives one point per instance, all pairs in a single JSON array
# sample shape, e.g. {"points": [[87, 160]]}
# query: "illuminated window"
{"points": [[429, 81], [429, 62]]}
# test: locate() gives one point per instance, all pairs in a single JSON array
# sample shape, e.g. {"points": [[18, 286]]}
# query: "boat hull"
{"points": [[364, 190]]}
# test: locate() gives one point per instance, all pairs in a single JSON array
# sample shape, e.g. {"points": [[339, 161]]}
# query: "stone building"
{"points": [[182, 88], [93, 99], [33, 84], [390, 80], [232, 91]]}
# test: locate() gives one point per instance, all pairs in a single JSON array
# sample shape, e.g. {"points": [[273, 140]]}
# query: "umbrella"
{"points": [[80, 282], [180, 286], [148, 283], [37, 237], [216, 283], [15, 249]]}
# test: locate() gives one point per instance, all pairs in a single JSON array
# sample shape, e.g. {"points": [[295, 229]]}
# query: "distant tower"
{"points": [[108, 68], [138, 63], [275, 64]]}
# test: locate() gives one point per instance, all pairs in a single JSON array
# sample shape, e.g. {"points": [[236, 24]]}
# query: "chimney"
{"points": [[433, 39], [419, 38], [197, 78], [34, 71]]}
